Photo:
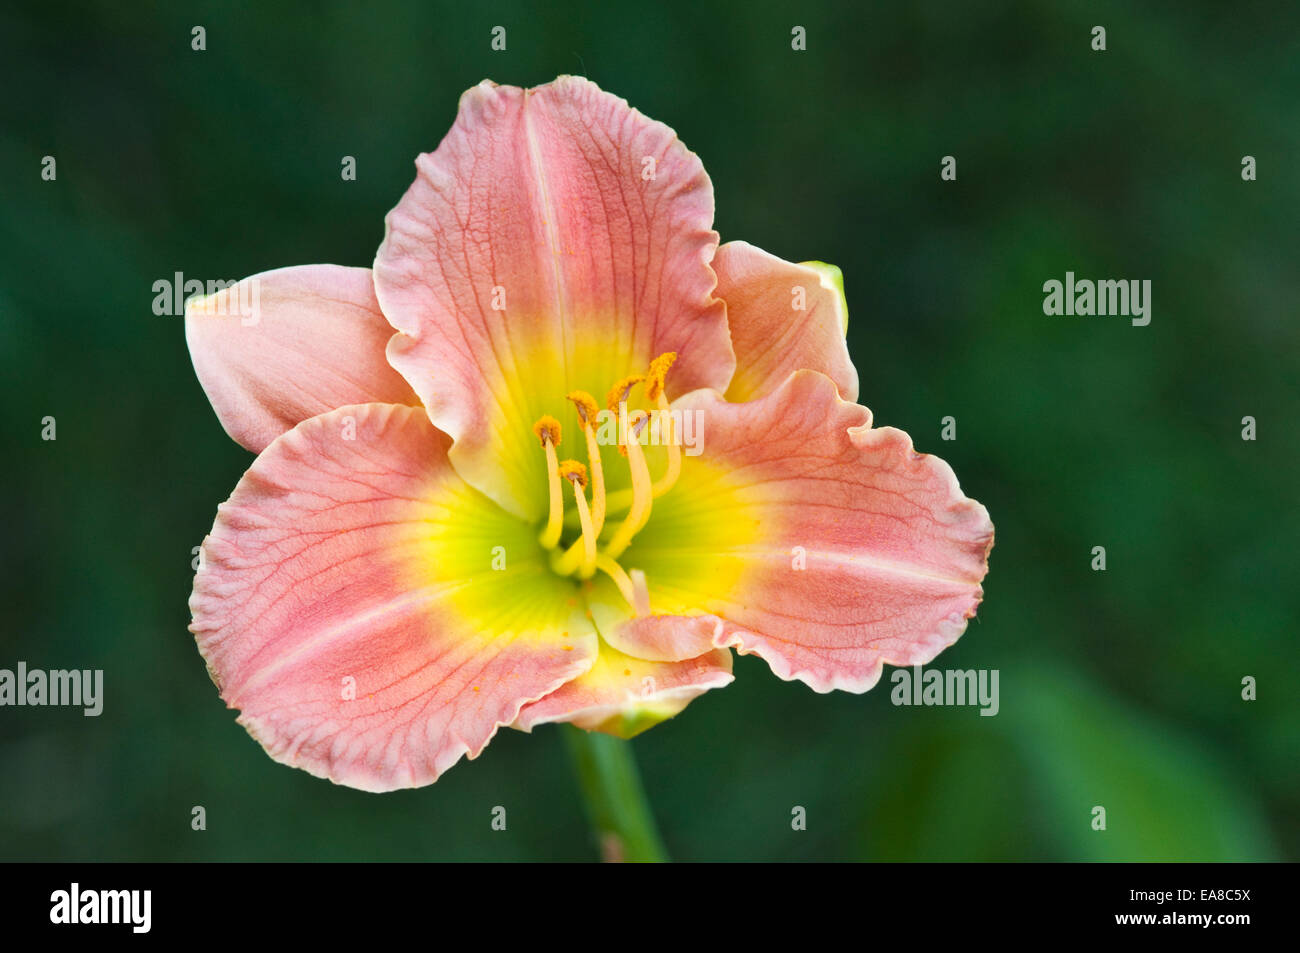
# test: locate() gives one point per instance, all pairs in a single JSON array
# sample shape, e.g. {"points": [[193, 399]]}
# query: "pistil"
{"points": [[632, 587]]}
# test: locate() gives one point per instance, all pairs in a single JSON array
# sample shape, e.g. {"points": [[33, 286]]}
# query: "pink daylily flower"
{"points": [[443, 534]]}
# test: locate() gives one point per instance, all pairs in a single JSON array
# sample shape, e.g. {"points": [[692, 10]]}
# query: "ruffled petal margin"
{"points": [[371, 616], [807, 537], [557, 240]]}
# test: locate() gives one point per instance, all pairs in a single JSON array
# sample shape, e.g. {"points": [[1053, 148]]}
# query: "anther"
{"points": [[618, 393], [654, 378], [654, 389], [574, 472], [616, 401], [547, 430], [585, 404], [586, 407]]}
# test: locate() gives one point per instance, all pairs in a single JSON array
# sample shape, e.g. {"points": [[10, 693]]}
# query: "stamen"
{"points": [[616, 401], [576, 473], [654, 389], [547, 430], [587, 412], [584, 556], [641, 492], [633, 590]]}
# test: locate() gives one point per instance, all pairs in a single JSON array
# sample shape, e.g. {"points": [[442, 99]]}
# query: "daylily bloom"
{"points": [[445, 532]]}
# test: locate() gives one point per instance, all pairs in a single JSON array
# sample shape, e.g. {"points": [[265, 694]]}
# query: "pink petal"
{"points": [[624, 696], [367, 561], [315, 342], [893, 553], [783, 318], [594, 223]]}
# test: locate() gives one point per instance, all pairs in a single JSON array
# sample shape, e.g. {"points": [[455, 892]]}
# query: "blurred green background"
{"points": [[1119, 688]]}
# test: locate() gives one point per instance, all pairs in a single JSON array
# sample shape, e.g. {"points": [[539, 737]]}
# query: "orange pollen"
{"points": [[547, 429], [574, 471], [654, 378], [586, 406], [618, 393]]}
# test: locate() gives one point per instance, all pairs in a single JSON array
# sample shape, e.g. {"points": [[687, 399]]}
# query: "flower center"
{"points": [[587, 554]]}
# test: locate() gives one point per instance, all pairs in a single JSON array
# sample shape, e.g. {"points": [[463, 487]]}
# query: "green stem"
{"points": [[616, 803]]}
